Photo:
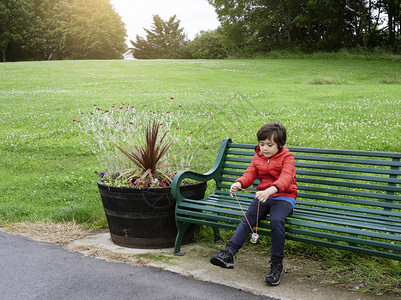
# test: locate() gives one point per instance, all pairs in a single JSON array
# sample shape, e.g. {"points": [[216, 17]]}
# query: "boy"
{"points": [[274, 165]]}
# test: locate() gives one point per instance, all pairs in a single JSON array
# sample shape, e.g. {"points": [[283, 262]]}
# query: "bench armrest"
{"points": [[182, 175], [213, 173]]}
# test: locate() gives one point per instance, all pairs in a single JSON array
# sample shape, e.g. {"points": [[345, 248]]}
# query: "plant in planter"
{"points": [[139, 149], [149, 159]]}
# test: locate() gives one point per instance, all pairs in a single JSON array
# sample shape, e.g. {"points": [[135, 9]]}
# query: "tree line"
{"points": [[309, 25], [60, 29], [91, 29], [253, 27]]}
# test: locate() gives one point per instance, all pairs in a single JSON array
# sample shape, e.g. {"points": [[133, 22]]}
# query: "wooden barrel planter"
{"points": [[144, 217]]}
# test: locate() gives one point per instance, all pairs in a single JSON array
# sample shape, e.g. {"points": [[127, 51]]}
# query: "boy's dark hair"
{"points": [[273, 131]]}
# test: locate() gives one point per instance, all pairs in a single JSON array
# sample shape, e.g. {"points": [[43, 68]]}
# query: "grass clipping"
{"points": [[65, 234], [56, 233]]}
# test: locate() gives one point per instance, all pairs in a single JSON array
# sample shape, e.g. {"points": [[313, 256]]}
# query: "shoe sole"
{"points": [[275, 283], [222, 264]]}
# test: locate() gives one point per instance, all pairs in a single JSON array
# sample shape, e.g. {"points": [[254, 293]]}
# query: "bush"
{"points": [[207, 45]]}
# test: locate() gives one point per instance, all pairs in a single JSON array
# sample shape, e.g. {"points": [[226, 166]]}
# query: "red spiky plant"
{"points": [[148, 158]]}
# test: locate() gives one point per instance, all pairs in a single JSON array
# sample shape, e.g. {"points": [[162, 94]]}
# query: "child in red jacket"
{"points": [[274, 165]]}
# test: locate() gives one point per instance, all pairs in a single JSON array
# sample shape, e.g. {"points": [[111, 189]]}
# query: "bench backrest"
{"points": [[360, 181]]}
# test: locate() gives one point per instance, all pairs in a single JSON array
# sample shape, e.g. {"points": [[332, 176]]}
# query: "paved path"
{"points": [[37, 270]]}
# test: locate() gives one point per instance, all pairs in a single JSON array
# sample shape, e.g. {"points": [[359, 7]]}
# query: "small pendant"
{"points": [[254, 238]]}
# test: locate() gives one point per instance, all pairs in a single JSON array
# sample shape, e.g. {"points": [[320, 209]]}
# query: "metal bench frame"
{"points": [[347, 199]]}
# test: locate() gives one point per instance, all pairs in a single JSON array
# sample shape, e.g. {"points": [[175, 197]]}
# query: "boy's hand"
{"points": [[264, 195], [234, 187]]}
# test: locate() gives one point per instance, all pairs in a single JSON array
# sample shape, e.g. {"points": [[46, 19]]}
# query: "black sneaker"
{"points": [[273, 278], [224, 259]]}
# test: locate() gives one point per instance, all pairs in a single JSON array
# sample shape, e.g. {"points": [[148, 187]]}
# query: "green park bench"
{"points": [[347, 199]]}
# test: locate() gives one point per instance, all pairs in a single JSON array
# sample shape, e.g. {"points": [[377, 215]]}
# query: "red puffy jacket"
{"points": [[279, 170]]}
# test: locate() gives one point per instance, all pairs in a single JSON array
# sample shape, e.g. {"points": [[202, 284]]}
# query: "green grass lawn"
{"points": [[47, 173]]}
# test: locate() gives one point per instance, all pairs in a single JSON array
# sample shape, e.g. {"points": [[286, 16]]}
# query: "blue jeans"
{"points": [[279, 211]]}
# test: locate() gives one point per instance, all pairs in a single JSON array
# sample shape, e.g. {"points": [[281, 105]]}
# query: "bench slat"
{"points": [[391, 216], [345, 247], [349, 169], [346, 230], [349, 193], [346, 221], [343, 176], [352, 161], [245, 161], [351, 201], [243, 153], [343, 238], [346, 152], [357, 185]]}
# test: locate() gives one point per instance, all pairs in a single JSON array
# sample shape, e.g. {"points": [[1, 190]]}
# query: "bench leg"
{"points": [[217, 237], [181, 228]]}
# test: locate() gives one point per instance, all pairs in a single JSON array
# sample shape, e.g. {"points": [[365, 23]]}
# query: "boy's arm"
{"points": [[249, 176]]}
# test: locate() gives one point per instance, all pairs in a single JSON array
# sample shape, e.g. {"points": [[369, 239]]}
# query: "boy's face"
{"points": [[268, 147]]}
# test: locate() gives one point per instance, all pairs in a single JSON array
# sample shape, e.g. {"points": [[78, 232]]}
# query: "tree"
{"points": [[328, 24], [393, 9], [14, 15], [165, 39], [258, 25], [43, 38], [207, 45], [61, 29], [93, 30]]}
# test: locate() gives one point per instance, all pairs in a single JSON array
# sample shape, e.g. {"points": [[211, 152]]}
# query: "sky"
{"points": [[194, 15]]}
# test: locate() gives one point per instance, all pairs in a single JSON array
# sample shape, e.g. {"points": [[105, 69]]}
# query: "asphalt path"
{"points": [[38, 270]]}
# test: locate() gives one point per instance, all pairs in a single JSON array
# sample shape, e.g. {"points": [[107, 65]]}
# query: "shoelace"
{"points": [[275, 271], [225, 253]]}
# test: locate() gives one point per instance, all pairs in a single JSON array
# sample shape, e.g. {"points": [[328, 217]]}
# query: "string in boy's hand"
{"points": [[234, 188]]}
